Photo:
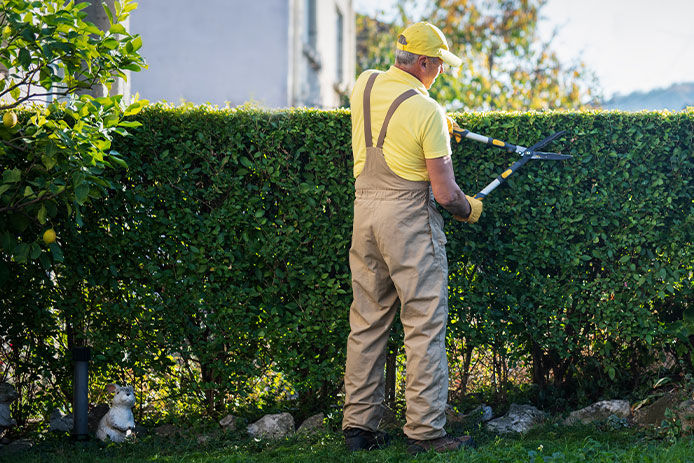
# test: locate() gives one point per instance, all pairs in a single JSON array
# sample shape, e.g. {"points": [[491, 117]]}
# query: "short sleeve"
{"points": [[436, 141]]}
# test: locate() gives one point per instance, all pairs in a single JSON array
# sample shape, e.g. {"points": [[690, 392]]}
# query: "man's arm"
{"points": [[446, 191]]}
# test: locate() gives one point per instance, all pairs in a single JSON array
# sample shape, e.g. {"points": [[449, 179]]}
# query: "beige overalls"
{"points": [[397, 259]]}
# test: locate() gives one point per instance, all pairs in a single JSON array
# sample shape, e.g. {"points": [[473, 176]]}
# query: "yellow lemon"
{"points": [[9, 119], [49, 236], [7, 31]]}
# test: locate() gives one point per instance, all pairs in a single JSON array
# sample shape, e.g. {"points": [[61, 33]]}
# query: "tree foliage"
{"points": [[506, 64], [54, 154]]}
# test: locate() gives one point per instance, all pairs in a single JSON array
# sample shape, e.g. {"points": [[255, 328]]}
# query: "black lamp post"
{"points": [[80, 393]]}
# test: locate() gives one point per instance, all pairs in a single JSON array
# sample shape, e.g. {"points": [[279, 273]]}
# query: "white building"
{"points": [[275, 53]]}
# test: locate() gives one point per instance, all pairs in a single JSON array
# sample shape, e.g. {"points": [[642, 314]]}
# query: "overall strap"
{"points": [[389, 114], [366, 107]]}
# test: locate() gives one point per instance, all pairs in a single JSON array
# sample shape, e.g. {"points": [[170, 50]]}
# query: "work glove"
{"points": [[453, 125], [475, 211]]}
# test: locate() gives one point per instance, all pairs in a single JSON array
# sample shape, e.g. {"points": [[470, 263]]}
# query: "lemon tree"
{"points": [[55, 140]]}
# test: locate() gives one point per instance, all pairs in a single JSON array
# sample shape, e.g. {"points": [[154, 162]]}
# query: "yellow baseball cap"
{"points": [[423, 38]]}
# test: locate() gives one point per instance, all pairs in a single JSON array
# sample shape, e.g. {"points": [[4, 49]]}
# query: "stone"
{"points": [[6, 419], [452, 416], [228, 423], [59, 422], [685, 412], [275, 426], [599, 411], [483, 413], [519, 419], [167, 430], [654, 414], [312, 424], [8, 393], [17, 446]]}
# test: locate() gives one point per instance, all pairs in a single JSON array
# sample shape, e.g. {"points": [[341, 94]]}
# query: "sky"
{"points": [[630, 45]]}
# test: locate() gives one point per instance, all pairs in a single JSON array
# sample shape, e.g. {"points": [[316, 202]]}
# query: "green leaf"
{"points": [[108, 13], [111, 120], [35, 251], [48, 161], [132, 66], [77, 179], [45, 261], [46, 77], [135, 107], [19, 221], [24, 58], [81, 193], [28, 34], [41, 216], [7, 242], [137, 43], [118, 161], [51, 208], [21, 253], [57, 252], [110, 43], [11, 176], [118, 29], [129, 124]]}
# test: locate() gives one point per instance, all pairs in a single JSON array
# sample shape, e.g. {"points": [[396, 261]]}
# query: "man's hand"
{"points": [[453, 125], [475, 211]]}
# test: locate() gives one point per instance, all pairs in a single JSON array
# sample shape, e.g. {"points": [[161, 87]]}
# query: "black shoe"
{"points": [[439, 445], [359, 439]]}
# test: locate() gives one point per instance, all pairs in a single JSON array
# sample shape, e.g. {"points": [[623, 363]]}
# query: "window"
{"points": [[311, 36], [311, 24], [340, 46]]}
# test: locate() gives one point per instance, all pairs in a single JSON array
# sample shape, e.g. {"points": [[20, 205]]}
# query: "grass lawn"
{"points": [[547, 444]]}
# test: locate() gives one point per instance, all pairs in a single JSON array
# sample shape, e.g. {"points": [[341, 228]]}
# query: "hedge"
{"points": [[215, 274]]}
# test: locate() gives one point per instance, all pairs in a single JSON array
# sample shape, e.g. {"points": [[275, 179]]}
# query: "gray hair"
{"points": [[405, 58]]}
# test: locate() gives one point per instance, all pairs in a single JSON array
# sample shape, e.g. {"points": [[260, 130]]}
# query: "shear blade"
{"points": [[550, 156]]}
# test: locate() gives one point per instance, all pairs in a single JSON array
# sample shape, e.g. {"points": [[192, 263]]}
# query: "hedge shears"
{"points": [[526, 153]]}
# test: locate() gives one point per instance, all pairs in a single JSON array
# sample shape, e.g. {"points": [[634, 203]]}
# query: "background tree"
{"points": [[506, 64], [50, 57]]}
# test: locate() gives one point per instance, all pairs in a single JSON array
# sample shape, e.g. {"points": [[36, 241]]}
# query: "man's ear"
{"points": [[422, 61]]}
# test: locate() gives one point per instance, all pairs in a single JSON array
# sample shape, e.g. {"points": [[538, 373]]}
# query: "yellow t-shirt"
{"points": [[417, 130]]}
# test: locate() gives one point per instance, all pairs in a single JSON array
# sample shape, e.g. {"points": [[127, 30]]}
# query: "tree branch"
{"points": [[29, 203]]}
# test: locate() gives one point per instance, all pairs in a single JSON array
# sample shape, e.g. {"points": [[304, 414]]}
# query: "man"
{"points": [[402, 162]]}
